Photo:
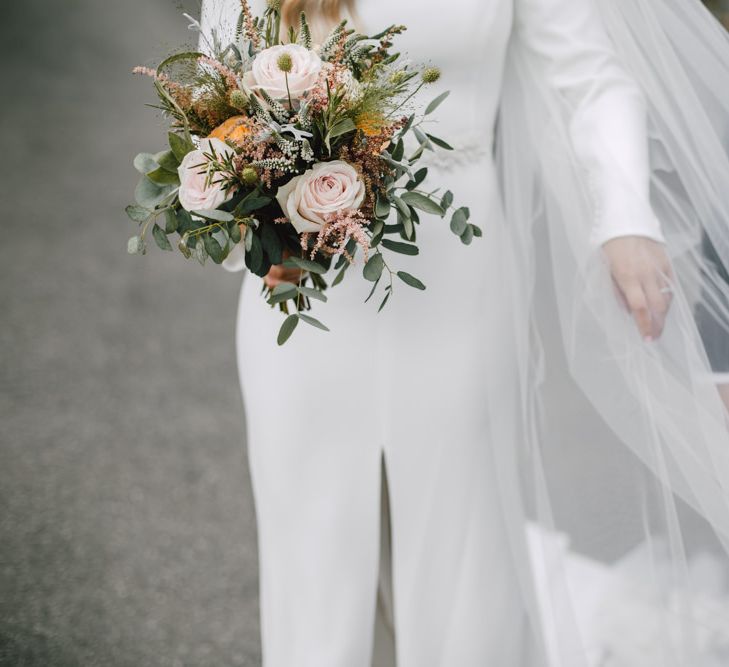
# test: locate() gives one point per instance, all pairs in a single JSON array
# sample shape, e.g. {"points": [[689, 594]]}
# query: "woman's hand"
{"points": [[642, 275], [278, 274]]}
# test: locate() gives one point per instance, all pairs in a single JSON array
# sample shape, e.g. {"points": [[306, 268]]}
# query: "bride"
{"points": [[548, 414]]}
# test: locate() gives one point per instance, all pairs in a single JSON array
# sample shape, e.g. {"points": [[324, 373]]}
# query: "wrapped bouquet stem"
{"points": [[286, 153]]}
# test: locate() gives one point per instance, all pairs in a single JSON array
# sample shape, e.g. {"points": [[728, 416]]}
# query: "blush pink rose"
{"points": [[326, 188], [265, 73], [194, 195]]}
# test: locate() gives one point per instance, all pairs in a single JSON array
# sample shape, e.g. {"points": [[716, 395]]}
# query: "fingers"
{"points": [[658, 296], [637, 302]]}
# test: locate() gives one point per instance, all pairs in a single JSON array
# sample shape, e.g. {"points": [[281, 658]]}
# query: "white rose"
{"points": [[265, 72], [326, 188], [194, 195]]}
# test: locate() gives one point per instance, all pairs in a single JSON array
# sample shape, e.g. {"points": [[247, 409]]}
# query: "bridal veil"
{"points": [[620, 460]]}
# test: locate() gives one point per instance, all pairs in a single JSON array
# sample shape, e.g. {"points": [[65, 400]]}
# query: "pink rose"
{"points": [[194, 195], [265, 72], [326, 188]]}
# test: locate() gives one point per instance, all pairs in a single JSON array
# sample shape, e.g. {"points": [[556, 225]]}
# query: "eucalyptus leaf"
{"points": [[312, 293], [137, 213], [251, 203], [382, 207], [149, 194], [467, 235], [398, 151], [410, 280], [144, 163], [287, 328], [384, 301], [170, 221], [163, 177], [136, 246], [213, 248], [417, 179], [373, 269], [254, 254], [402, 248], [447, 200], [161, 238], [340, 276], [168, 160], [215, 215], [459, 221], [378, 229], [439, 142], [477, 231], [180, 146], [304, 264], [422, 202], [271, 243], [436, 102], [313, 321]]}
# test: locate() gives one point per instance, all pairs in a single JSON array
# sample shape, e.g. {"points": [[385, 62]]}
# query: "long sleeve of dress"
{"points": [[607, 110]]}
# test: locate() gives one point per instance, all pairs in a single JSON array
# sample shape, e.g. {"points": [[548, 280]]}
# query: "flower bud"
{"points": [[274, 5], [238, 99], [249, 176], [284, 62], [398, 77], [430, 74]]}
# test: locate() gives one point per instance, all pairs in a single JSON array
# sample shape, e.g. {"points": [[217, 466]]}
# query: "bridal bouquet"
{"points": [[286, 152]]}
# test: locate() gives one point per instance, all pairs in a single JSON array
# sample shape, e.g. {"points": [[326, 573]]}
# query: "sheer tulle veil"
{"points": [[621, 447]]}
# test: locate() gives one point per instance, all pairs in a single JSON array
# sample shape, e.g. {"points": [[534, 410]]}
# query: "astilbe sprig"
{"points": [[338, 228]]}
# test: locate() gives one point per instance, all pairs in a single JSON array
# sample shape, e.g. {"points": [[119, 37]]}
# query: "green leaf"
{"points": [[304, 264], [312, 293], [137, 213], [436, 102], [422, 202], [163, 177], [149, 194], [235, 233], [215, 215], [161, 238], [287, 328], [467, 235], [418, 178], [341, 127], [403, 248], [401, 206], [422, 138], [135, 246], [408, 229], [168, 161], [200, 253], [459, 221], [254, 254], [382, 207], [271, 243], [340, 276], [213, 248], [313, 321], [180, 146], [373, 269], [251, 203], [144, 163], [410, 280], [170, 221], [398, 151], [477, 231], [282, 292], [439, 142], [447, 200], [378, 229], [384, 301]]}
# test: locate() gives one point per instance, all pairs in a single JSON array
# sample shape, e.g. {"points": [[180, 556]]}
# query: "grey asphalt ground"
{"points": [[126, 521]]}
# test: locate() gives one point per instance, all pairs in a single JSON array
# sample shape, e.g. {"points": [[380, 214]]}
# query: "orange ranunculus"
{"points": [[234, 130]]}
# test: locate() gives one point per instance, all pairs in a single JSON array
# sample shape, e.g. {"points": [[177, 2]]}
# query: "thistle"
{"points": [[238, 99], [430, 75], [285, 63], [249, 176]]}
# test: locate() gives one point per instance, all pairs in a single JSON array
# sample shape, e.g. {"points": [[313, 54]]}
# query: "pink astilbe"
{"points": [[228, 74], [336, 232], [249, 25]]}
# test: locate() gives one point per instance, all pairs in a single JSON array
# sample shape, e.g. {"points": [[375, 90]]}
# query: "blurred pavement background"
{"points": [[126, 523]]}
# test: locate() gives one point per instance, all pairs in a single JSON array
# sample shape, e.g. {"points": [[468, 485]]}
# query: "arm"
{"points": [[607, 123]]}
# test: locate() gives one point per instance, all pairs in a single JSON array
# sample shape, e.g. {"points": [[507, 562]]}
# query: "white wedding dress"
{"points": [[419, 384]]}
